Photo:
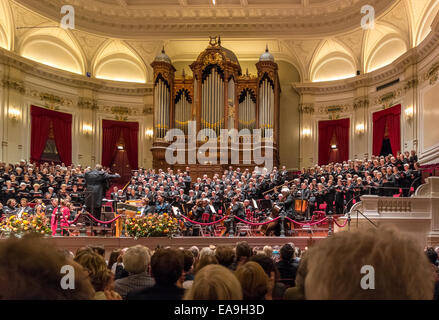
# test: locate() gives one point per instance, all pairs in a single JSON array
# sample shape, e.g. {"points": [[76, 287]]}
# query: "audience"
{"points": [[214, 282], [166, 268], [254, 282], [330, 269], [225, 256], [401, 270], [243, 253], [270, 269], [188, 268], [287, 265], [30, 269], [136, 262], [101, 278]]}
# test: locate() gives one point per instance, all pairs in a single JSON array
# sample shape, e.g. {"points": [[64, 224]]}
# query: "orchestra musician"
{"points": [[236, 209], [23, 208], [162, 206], [146, 207]]}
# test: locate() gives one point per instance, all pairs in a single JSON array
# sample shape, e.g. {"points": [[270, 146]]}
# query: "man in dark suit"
{"points": [[96, 181], [167, 270]]}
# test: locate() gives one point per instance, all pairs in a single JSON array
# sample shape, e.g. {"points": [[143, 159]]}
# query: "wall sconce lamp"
{"points": [[149, 133], [333, 146], [306, 133], [409, 113], [14, 114], [359, 128], [87, 129]]}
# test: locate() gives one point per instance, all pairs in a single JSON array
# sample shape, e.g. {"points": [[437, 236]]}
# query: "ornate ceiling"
{"points": [[118, 39], [183, 18]]}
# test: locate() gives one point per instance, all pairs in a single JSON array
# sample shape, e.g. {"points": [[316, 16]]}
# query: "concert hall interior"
{"points": [[220, 140]]}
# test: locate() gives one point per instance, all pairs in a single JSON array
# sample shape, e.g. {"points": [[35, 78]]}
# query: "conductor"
{"points": [[97, 181]]}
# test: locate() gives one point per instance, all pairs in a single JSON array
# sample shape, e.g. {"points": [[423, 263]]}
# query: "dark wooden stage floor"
{"points": [[111, 243]]}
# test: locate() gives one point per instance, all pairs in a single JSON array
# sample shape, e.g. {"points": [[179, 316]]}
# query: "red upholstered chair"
{"points": [[323, 206]]}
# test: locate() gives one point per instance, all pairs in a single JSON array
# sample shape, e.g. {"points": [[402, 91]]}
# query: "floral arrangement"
{"points": [[153, 225], [27, 223]]}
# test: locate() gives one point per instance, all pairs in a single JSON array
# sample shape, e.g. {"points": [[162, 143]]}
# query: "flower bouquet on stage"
{"points": [[27, 223], [153, 225]]}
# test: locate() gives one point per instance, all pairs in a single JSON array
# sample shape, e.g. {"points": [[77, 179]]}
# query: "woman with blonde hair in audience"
{"points": [[268, 251], [214, 282], [101, 278], [254, 281]]}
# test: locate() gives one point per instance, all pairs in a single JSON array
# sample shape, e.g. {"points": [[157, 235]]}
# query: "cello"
{"points": [[268, 229]]}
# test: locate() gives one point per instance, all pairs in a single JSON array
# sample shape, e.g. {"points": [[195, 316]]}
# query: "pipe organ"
{"points": [[247, 110], [212, 97], [183, 110], [218, 96]]}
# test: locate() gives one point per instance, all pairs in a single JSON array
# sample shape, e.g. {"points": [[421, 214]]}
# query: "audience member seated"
{"points": [[401, 270], [287, 265], [30, 270], [243, 253], [101, 278], [136, 262], [254, 282], [214, 282], [225, 256], [167, 269], [188, 268], [205, 260], [270, 269]]}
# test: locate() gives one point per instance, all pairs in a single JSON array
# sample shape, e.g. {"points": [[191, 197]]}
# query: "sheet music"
{"points": [[176, 211], [212, 208], [255, 205]]}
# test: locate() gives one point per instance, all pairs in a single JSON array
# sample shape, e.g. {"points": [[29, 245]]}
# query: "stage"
{"points": [[112, 243]]}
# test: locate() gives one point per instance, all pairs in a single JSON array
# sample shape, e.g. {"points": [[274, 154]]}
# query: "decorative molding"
{"points": [[116, 20], [335, 111], [306, 108], [87, 103], [360, 103], [123, 113], [410, 84], [148, 109], [52, 101], [387, 99], [433, 73], [14, 85]]}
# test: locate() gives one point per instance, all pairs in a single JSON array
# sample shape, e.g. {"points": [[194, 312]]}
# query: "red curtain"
{"points": [[327, 129], [111, 132], [392, 119], [62, 129]]}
